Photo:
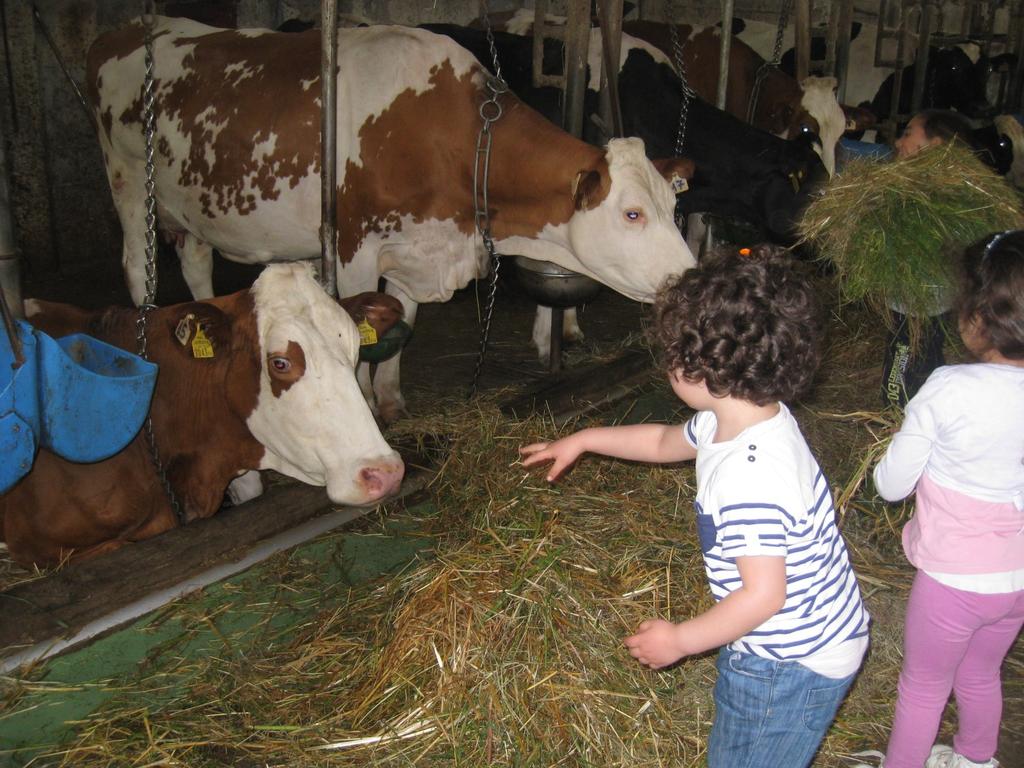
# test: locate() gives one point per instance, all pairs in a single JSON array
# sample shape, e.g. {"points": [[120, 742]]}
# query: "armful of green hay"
{"points": [[894, 230]]}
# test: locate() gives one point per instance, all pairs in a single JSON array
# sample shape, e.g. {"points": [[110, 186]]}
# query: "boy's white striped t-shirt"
{"points": [[763, 494]]}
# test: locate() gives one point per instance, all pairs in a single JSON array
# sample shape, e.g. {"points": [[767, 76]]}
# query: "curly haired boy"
{"points": [[739, 336]]}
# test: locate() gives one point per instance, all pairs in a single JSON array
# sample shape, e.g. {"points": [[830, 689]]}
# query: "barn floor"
{"points": [[152, 658]]}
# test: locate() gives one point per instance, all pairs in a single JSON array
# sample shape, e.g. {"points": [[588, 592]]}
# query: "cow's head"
{"points": [[821, 119], [311, 416], [958, 79], [622, 231], [794, 179], [1011, 132]]}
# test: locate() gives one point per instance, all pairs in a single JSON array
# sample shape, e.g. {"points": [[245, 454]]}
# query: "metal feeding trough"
{"points": [[551, 285]]}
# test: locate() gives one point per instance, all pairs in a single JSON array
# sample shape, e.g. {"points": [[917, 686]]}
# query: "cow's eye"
{"points": [[634, 215], [280, 364]]}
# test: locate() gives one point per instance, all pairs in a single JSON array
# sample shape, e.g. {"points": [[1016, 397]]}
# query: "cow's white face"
{"points": [[630, 241], [310, 416], [819, 100], [1009, 127]]}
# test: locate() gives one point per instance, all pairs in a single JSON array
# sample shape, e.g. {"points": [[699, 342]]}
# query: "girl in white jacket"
{"points": [[961, 450]]}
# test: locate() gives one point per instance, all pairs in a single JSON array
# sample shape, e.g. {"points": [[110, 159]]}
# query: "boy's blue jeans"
{"points": [[770, 714]]}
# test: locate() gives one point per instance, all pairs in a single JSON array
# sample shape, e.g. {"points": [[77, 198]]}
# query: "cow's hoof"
{"points": [[245, 488]]}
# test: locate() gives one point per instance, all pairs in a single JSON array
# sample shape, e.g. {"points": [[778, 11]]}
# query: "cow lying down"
{"points": [[260, 379]]}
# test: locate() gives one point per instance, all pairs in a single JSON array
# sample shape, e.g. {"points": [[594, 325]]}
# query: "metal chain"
{"points": [[490, 111], [149, 129], [766, 67], [685, 95], [686, 92]]}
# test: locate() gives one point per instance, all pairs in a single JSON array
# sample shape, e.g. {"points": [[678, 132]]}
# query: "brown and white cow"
{"points": [[238, 166], [278, 391]]}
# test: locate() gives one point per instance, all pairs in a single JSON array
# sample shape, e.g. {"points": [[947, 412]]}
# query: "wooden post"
{"points": [[844, 28], [1017, 78], [802, 19], [723, 53], [924, 37], [10, 272]]}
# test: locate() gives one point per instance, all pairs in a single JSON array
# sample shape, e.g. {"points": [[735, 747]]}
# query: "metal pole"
{"points": [[611, 44], [555, 354], [577, 43], [10, 274], [726, 47], [328, 147]]}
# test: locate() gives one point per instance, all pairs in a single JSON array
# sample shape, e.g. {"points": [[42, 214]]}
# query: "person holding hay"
{"points": [[740, 336], [909, 360], [933, 128], [891, 229], [961, 450]]}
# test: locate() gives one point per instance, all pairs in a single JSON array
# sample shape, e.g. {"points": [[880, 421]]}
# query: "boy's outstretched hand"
{"points": [[563, 453], [656, 644]]}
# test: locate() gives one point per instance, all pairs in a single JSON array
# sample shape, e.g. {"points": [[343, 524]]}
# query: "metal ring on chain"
{"points": [[494, 106]]}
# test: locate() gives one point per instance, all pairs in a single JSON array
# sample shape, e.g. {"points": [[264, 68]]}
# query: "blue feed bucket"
{"points": [[78, 397], [850, 149], [94, 396], [19, 407]]}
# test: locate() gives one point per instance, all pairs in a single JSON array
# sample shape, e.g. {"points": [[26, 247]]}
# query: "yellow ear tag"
{"points": [[201, 346], [679, 184], [367, 334]]}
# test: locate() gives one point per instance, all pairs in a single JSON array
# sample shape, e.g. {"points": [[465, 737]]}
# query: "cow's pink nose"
{"points": [[382, 479]]}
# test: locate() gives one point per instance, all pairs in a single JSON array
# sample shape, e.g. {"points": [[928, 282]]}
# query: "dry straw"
{"points": [[894, 230]]}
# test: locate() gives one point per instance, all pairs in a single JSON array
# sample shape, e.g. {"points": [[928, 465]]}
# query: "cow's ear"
{"points": [[677, 171], [378, 309], [201, 331], [586, 188]]}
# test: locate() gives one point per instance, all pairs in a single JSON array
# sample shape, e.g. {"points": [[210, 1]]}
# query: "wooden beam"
{"points": [[585, 389], [62, 604]]}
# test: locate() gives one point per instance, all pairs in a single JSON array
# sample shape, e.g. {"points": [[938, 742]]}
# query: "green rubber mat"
{"points": [[230, 618]]}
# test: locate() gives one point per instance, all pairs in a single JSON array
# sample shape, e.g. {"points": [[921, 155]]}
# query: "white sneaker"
{"points": [[872, 753], [944, 757]]}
